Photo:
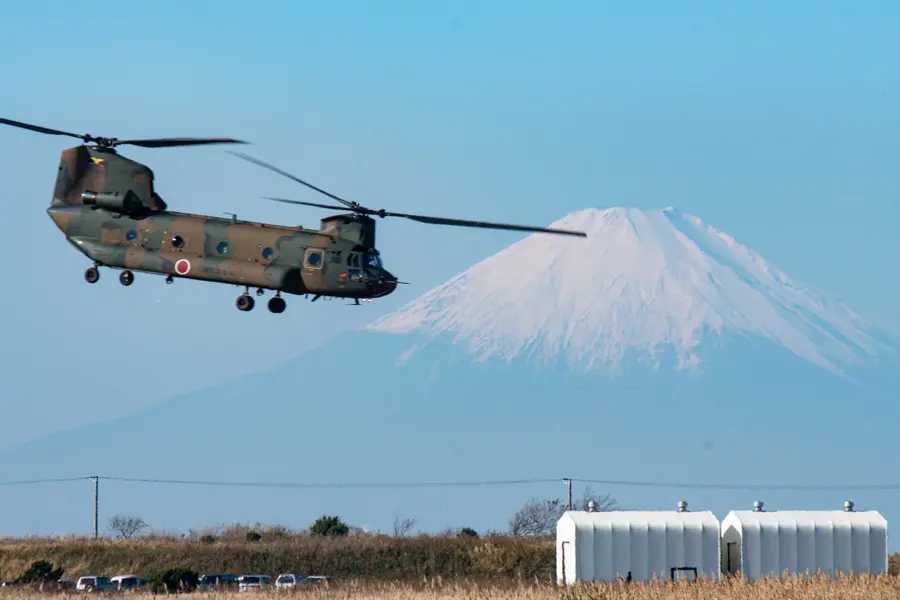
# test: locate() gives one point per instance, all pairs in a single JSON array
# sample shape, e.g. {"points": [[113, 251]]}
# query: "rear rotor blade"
{"points": [[286, 201], [40, 129], [260, 163], [170, 142], [480, 224]]}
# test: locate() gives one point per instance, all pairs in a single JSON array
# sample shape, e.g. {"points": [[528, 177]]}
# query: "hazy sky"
{"points": [[780, 127]]}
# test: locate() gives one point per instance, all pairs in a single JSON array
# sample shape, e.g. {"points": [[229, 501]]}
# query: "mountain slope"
{"points": [[643, 282]]}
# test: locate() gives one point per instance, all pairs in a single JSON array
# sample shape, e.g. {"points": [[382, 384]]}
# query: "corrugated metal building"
{"points": [[607, 546], [759, 543]]}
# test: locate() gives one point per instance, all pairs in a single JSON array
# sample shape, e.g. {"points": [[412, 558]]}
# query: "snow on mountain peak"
{"points": [[644, 281]]}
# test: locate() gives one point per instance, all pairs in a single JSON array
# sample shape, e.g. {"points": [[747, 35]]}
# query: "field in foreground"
{"points": [[866, 587]]}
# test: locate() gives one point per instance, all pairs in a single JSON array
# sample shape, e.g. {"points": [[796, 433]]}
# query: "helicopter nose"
{"points": [[384, 285]]}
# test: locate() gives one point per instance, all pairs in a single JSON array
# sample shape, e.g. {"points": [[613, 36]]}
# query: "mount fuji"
{"points": [[645, 283], [657, 349]]}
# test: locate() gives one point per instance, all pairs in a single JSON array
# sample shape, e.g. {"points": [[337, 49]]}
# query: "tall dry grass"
{"points": [[369, 557], [882, 587]]}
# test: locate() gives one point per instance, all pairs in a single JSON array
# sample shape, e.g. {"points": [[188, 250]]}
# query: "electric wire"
{"points": [[476, 483]]}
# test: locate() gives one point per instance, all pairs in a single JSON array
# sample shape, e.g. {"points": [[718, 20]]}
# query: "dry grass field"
{"points": [[862, 588]]}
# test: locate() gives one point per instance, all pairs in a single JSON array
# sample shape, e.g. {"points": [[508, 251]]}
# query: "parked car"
{"points": [[290, 580], [252, 583], [220, 581], [129, 582], [318, 579], [95, 583]]}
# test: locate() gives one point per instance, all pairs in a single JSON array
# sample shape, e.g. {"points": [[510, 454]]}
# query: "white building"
{"points": [[607, 546], [760, 543]]}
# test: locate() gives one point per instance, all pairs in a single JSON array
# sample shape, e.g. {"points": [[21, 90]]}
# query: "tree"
{"points": [[538, 517], [126, 526], [41, 571], [403, 526], [329, 526], [467, 532]]}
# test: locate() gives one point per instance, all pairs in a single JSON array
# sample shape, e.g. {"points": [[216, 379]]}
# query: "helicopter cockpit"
{"points": [[365, 265]]}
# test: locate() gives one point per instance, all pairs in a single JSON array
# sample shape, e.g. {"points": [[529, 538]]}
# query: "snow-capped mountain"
{"points": [[643, 282]]}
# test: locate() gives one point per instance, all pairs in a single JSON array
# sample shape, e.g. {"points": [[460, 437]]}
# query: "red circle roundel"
{"points": [[183, 267]]}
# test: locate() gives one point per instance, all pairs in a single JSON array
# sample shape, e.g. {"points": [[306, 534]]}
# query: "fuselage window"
{"points": [[177, 241], [131, 235], [314, 258], [267, 253], [222, 247]]}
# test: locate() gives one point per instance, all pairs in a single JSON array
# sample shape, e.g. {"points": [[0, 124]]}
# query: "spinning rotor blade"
{"points": [[480, 224], [169, 142], [265, 165], [112, 142], [286, 201], [356, 207], [39, 129]]}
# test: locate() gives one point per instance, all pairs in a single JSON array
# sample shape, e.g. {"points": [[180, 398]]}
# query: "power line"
{"points": [[37, 481], [261, 484], [481, 483], [748, 487]]}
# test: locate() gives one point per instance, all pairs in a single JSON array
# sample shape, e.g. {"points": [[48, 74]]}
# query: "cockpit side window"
{"points": [[372, 259]]}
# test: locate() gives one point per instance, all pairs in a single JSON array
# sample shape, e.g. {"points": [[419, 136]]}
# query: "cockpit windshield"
{"points": [[372, 259]]}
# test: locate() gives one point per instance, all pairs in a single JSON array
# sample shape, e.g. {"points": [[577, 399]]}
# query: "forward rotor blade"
{"points": [[481, 224], [170, 142], [39, 129], [264, 165], [286, 201]]}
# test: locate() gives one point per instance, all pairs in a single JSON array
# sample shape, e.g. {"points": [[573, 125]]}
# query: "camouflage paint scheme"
{"points": [[106, 206]]}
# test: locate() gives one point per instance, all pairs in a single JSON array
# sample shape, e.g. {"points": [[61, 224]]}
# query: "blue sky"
{"points": [[779, 126]]}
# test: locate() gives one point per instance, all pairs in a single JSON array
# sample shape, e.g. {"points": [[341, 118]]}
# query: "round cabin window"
{"points": [[131, 235], [314, 259], [222, 247], [177, 241], [267, 253]]}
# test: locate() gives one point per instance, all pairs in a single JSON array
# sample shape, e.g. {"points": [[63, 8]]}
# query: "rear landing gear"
{"points": [[277, 304], [92, 275], [245, 302], [126, 277]]}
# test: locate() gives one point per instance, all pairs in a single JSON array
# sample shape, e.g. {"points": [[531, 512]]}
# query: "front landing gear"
{"points": [[277, 304], [92, 275]]}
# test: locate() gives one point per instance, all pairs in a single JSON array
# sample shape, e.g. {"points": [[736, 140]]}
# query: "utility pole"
{"points": [[96, 481], [568, 483]]}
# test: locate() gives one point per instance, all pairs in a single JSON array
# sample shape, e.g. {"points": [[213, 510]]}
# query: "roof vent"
{"points": [[591, 506], [758, 506], [848, 506], [682, 506]]}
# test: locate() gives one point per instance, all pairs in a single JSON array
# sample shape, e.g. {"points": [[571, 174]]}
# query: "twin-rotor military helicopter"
{"points": [[106, 206]]}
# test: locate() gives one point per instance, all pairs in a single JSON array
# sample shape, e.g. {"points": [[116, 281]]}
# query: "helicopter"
{"points": [[107, 207]]}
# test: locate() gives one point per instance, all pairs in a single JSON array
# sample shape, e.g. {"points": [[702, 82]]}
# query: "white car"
{"points": [[95, 583], [290, 580], [252, 583]]}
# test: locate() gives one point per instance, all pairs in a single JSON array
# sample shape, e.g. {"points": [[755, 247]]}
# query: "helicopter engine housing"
{"points": [[125, 203]]}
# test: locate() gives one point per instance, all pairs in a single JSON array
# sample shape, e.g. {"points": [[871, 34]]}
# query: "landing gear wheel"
{"points": [[277, 304], [245, 302], [126, 277], [91, 275]]}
